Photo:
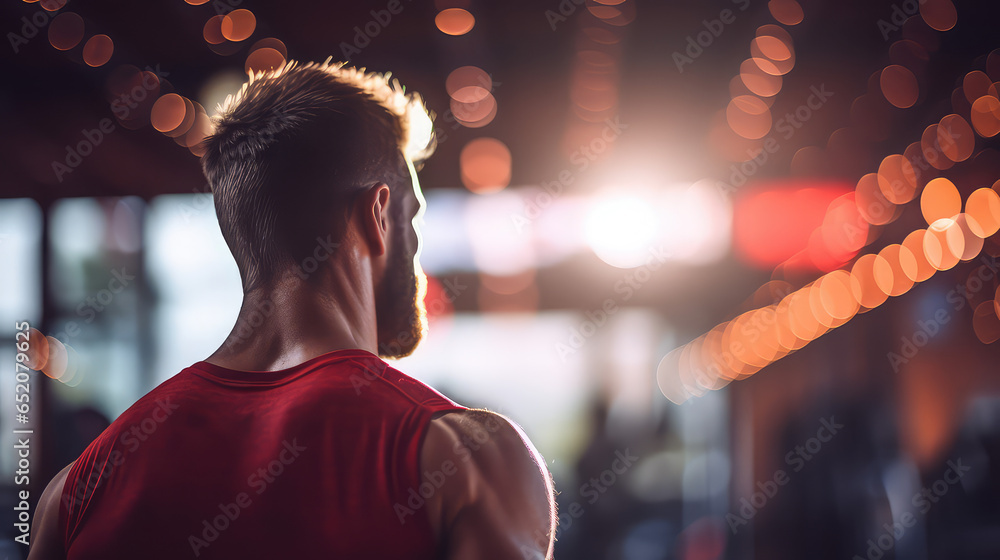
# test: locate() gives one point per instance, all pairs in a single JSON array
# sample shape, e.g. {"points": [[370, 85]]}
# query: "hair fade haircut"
{"points": [[292, 147]]}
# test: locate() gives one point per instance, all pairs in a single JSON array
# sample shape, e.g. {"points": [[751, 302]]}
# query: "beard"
{"points": [[399, 305]]}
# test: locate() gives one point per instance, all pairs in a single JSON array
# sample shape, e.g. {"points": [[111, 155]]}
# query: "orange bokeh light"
{"points": [[944, 244], [985, 116], [98, 50], [915, 243], [485, 165], [903, 268], [872, 204], [983, 212], [168, 112], [956, 138], [939, 14], [749, 117], [66, 31], [455, 21], [865, 286], [787, 12], [238, 25], [897, 179], [899, 86], [940, 199]]}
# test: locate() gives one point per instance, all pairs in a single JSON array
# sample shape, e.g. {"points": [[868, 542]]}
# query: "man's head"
{"points": [[295, 154]]}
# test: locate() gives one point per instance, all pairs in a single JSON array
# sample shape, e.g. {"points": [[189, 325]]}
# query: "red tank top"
{"points": [[318, 460]]}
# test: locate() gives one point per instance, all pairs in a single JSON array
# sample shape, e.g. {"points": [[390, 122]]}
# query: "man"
{"points": [[294, 439]]}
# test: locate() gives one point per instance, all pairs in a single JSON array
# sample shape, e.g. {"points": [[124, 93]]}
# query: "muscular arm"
{"points": [[499, 502], [46, 542]]}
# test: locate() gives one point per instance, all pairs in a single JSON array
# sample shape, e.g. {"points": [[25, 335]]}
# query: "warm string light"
{"points": [[67, 30], [738, 348]]}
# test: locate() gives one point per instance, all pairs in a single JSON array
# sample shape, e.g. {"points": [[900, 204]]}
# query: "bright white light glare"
{"points": [[498, 246], [220, 85], [696, 223], [689, 223], [421, 129], [621, 229]]}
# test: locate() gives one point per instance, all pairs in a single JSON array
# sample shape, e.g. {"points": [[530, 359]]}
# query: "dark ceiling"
{"points": [[49, 98]]}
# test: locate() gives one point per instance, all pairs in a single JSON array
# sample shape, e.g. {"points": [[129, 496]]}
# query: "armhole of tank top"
{"points": [[62, 519], [421, 439]]}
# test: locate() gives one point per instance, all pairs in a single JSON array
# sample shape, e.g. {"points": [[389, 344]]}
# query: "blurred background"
{"points": [[730, 263]]}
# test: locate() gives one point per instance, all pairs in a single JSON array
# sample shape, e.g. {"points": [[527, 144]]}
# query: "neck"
{"points": [[293, 321]]}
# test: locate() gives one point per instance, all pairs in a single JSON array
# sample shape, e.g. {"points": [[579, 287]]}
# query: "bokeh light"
{"points": [[939, 14], [985, 115], [787, 12], [872, 203], [485, 165], [620, 229], [468, 76], [975, 85], [897, 179], [757, 81], [455, 21], [473, 106], [972, 244], [931, 148], [985, 323], [902, 265], [944, 244], [749, 117], [38, 349], [955, 137], [940, 199], [238, 25], [914, 242], [865, 286], [66, 31], [264, 59], [982, 209], [899, 86], [98, 50], [212, 32], [169, 112]]}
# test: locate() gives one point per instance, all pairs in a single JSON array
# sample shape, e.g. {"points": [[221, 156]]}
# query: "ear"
{"points": [[375, 218]]}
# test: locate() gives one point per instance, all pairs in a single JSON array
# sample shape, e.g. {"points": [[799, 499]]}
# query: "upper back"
{"points": [[319, 458]]}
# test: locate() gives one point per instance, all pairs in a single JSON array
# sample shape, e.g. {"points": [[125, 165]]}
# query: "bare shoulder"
{"points": [[497, 490], [46, 543]]}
